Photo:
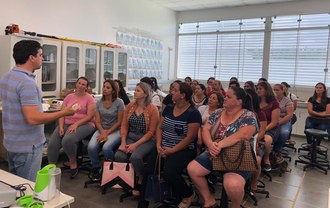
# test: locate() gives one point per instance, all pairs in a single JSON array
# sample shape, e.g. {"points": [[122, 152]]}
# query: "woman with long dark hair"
{"points": [[270, 106], [121, 92], [318, 106], [176, 140], [108, 117], [199, 98], [236, 122]]}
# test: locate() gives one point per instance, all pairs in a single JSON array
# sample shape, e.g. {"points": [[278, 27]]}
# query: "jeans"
{"points": [[26, 165], [108, 147], [310, 125], [284, 134]]}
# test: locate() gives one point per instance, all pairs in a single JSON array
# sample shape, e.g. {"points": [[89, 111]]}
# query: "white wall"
{"points": [[92, 20], [255, 11]]}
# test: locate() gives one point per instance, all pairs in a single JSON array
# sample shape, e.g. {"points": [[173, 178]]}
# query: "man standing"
{"points": [[22, 115]]}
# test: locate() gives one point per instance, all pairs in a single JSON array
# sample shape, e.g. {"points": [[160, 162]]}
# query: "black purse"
{"points": [[157, 189]]}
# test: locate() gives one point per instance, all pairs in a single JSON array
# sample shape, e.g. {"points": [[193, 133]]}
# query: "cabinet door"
{"points": [[107, 65], [301, 114], [91, 66], [50, 72], [122, 68], [71, 66]]}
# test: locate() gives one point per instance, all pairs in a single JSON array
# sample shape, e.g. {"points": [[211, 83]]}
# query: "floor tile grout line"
{"points": [[298, 190]]}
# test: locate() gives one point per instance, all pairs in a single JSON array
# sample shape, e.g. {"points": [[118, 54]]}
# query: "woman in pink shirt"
{"points": [[73, 129]]}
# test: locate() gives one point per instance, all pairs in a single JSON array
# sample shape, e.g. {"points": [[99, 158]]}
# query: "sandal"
{"points": [[136, 191], [215, 205], [193, 198]]}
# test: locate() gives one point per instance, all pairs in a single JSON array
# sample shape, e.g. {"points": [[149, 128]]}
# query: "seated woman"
{"points": [[262, 121], [286, 112], [121, 92], [215, 101], [108, 117], [270, 106], [249, 85], [236, 123], [155, 98], [168, 99], [318, 106], [156, 88], [73, 129], [209, 86], [176, 140], [293, 98], [137, 129], [217, 86], [193, 85], [199, 98]]}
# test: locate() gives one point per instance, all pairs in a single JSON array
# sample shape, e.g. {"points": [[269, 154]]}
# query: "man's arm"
{"points": [[34, 117]]}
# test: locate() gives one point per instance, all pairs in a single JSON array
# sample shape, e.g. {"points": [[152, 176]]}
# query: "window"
{"points": [[221, 49], [298, 48]]}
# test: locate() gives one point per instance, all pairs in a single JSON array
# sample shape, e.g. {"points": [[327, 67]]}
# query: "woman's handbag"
{"points": [[118, 175], [157, 189], [238, 157]]}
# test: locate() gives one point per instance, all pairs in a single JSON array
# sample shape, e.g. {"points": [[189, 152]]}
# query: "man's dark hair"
{"points": [[23, 49]]}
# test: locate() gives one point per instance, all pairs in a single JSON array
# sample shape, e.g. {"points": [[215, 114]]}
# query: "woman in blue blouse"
{"points": [[176, 139]]}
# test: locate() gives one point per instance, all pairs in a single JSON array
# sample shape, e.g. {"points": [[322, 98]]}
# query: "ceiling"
{"points": [[185, 5]]}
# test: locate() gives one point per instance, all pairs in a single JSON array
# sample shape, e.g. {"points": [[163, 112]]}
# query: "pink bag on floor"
{"points": [[118, 175]]}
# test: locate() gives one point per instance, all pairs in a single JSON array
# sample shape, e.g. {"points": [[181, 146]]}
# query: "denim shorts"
{"points": [[206, 162], [273, 133]]}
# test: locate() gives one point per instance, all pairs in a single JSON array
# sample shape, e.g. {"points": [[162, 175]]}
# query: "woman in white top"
{"points": [[294, 100], [199, 98], [215, 101], [286, 112]]}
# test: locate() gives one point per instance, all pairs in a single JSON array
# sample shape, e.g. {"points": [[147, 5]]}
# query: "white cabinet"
{"points": [[7, 61], [51, 68], [113, 65], [80, 60], [299, 126]]}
